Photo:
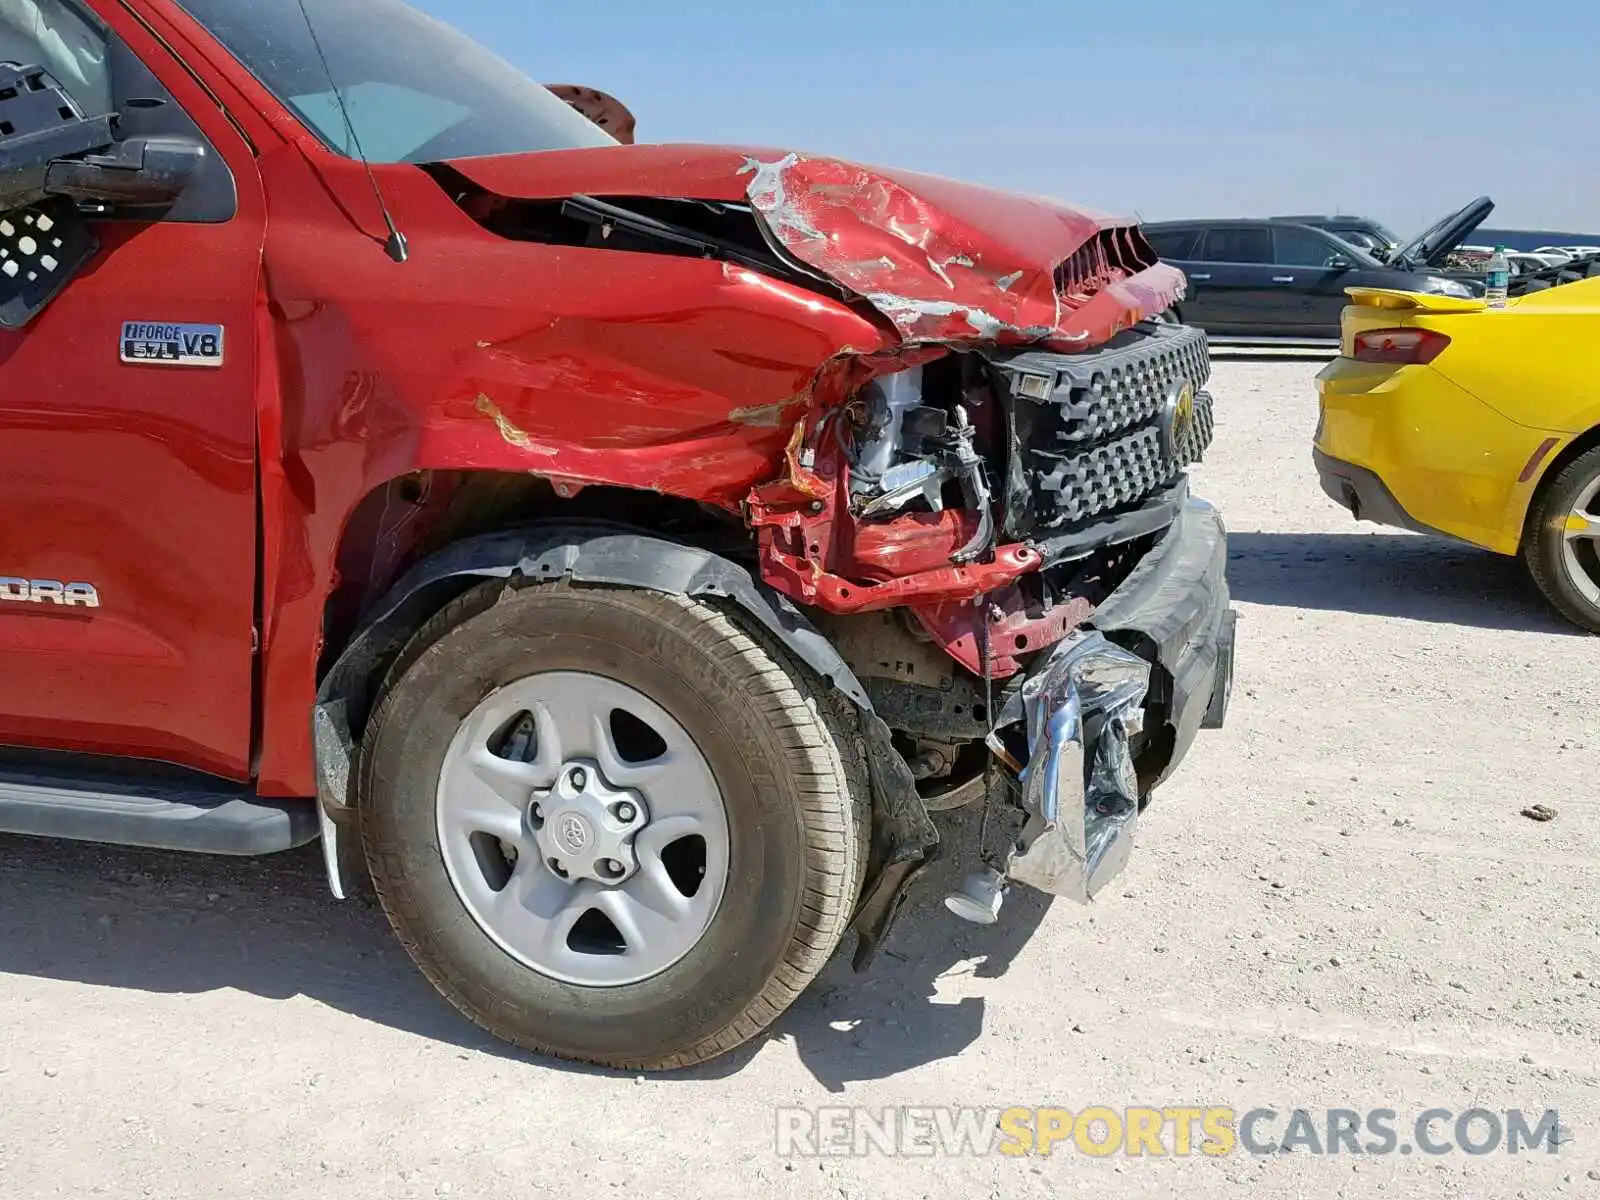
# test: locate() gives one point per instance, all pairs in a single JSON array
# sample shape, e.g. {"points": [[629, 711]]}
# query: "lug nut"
{"points": [[555, 865], [611, 867], [579, 778], [626, 811]]}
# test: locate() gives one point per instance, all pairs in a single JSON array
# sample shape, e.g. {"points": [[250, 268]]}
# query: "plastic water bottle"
{"points": [[1499, 281]]}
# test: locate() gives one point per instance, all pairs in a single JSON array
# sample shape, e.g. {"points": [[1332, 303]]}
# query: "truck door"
{"points": [[127, 428]]}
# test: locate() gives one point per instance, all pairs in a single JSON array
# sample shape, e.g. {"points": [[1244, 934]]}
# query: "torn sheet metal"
{"points": [[953, 262], [1079, 789], [1002, 631]]}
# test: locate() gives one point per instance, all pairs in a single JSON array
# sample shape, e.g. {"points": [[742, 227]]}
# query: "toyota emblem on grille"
{"points": [[1177, 419]]}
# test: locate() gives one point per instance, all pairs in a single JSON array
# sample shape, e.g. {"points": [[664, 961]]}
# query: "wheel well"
{"points": [[419, 514], [1575, 449]]}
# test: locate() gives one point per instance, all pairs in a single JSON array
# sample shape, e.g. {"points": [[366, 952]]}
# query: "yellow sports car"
{"points": [[1446, 416]]}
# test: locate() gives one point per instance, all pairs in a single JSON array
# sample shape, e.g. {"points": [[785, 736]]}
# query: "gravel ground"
{"points": [[1335, 905]]}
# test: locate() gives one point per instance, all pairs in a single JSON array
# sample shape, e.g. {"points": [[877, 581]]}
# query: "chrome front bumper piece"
{"points": [[1085, 706]]}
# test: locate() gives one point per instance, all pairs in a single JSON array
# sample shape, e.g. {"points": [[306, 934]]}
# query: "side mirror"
{"points": [[53, 158], [1339, 263], [142, 172]]}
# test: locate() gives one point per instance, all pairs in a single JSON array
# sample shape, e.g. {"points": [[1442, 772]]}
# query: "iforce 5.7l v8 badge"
{"points": [[154, 344]]}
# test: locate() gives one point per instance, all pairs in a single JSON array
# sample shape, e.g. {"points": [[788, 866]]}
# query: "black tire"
{"points": [[783, 753], [1543, 544]]}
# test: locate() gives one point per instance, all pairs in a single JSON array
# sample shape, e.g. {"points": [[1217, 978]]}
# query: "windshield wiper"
{"points": [[599, 213]]}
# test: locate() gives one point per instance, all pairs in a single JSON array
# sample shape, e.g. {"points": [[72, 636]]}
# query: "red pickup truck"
{"points": [[612, 552]]}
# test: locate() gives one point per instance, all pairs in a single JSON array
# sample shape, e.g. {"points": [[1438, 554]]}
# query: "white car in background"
{"points": [[1523, 263], [1561, 254]]}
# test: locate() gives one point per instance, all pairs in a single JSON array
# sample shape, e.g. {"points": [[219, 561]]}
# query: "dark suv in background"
{"points": [[1281, 281]]}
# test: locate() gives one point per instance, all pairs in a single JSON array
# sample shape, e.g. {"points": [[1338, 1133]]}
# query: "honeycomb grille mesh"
{"points": [[1131, 393], [1098, 445], [1119, 472]]}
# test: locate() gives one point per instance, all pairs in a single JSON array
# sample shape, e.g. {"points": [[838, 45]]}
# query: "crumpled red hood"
{"points": [[944, 261]]}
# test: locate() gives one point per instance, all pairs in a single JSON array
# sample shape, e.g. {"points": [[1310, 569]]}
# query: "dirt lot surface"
{"points": [[1335, 905]]}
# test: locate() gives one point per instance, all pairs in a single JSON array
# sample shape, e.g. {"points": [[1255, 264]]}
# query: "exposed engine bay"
{"points": [[1063, 466], [1070, 438], [912, 437]]}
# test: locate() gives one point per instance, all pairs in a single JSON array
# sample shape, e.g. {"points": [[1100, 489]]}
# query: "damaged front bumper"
{"points": [[1114, 708]]}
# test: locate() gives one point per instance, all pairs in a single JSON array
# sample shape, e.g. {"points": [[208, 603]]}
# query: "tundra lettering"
{"points": [[38, 591]]}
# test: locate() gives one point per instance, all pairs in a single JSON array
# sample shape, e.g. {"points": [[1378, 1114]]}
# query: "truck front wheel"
{"points": [[611, 825]]}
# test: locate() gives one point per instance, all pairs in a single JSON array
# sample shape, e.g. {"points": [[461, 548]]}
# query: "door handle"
{"points": [[1283, 279], [1196, 275]]}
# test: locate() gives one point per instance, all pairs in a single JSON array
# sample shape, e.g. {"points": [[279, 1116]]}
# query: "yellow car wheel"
{"points": [[1563, 543]]}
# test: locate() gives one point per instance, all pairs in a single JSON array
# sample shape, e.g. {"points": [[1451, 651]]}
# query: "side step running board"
{"points": [[156, 814]]}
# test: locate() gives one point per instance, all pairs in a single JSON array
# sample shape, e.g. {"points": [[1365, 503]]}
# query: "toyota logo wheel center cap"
{"points": [[584, 827]]}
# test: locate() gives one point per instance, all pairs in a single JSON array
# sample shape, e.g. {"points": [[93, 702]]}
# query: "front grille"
{"points": [[1126, 386], [1120, 472], [1091, 436]]}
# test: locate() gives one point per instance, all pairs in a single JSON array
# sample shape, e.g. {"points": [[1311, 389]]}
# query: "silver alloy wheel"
{"points": [[583, 829], [1580, 548]]}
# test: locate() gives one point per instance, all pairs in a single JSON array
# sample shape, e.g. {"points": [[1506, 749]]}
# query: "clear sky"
{"points": [[1400, 111]]}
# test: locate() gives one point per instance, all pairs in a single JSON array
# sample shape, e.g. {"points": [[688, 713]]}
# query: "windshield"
{"points": [[1360, 238], [1360, 253], [1380, 234], [50, 34], [418, 91]]}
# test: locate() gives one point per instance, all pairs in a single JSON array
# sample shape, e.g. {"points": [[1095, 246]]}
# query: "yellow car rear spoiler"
{"points": [[1395, 298]]}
